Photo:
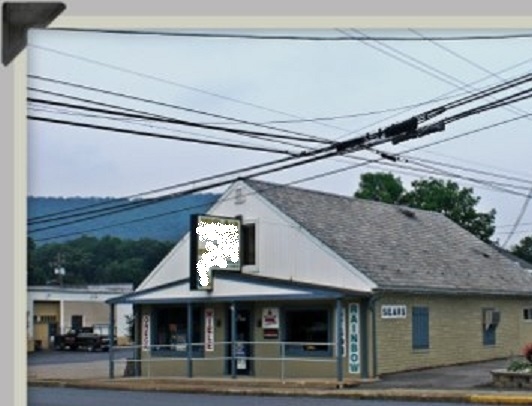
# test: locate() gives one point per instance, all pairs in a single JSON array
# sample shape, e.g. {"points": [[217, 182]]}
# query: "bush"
{"points": [[527, 352], [518, 366]]}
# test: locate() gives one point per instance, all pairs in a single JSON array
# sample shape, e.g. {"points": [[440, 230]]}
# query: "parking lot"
{"points": [[75, 364]]}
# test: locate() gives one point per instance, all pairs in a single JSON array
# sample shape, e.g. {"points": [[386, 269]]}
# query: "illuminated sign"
{"points": [[214, 244]]}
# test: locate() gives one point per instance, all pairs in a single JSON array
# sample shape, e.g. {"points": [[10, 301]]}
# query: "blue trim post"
{"points": [[339, 355], [233, 340], [364, 338], [189, 339], [111, 341]]}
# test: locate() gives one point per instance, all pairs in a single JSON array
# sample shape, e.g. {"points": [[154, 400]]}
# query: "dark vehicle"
{"points": [[89, 338]]}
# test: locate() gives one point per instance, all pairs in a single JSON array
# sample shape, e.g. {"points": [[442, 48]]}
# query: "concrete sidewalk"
{"points": [[467, 384]]}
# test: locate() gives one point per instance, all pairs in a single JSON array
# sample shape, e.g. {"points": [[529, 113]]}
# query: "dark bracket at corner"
{"points": [[18, 18]]}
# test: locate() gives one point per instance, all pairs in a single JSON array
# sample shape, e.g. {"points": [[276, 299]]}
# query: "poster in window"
{"points": [[146, 332], [270, 318], [209, 330]]}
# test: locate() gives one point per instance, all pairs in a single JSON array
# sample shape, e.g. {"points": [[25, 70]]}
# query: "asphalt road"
{"points": [[70, 357], [83, 397]]}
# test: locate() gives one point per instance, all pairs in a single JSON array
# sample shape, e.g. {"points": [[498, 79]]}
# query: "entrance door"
{"points": [[243, 337]]}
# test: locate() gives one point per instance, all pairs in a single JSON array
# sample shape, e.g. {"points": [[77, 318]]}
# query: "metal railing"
{"points": [[144, 360]]}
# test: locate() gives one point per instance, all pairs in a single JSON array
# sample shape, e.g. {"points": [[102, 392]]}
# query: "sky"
{"points": [[352, 87]]}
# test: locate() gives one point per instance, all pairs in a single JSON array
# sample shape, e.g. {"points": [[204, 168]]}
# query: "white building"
{"points": [[54, 310]]}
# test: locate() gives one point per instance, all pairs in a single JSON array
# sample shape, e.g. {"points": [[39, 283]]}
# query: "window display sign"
{"points": [[270, 318], [209, 330], [343, 338], [214, 244], [146, 332], [354, 341]]}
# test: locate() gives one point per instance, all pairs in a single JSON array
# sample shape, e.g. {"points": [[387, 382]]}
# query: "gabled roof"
{"points": [[397, 247]]}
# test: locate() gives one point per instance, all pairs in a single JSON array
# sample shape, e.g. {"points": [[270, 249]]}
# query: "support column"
{"points": [[189, 339], [233, 340], [111, 341], [339, 355], [364, 348], [137, 323]]}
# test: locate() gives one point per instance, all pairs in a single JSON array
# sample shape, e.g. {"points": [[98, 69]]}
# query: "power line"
{"points": [[432, 71], [328, 173], [337, 148], [519, 218], [172, 83], [169, 120], [298, 37], [145, 100], [156, 135]]}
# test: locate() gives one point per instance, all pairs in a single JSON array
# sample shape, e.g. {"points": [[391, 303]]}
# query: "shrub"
{"points": [[517, 366], [527, 352]]}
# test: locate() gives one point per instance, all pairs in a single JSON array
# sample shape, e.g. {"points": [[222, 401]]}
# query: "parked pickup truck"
{"points": [[89, 338]]}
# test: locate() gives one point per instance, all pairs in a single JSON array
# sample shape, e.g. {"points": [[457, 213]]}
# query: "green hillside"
{"points": [[163, 221]]}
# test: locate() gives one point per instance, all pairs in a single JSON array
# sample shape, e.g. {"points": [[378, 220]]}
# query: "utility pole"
{"points": [[59, 270]]}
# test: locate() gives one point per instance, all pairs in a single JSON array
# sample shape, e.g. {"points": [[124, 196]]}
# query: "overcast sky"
{"points": [[267, 81]]}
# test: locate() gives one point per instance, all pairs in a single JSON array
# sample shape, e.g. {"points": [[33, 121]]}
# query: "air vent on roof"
{"points": [[484, 254], [239, 196], [408, 213]]}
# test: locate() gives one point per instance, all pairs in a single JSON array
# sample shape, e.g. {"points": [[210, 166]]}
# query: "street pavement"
{"points": [[465, 383]]}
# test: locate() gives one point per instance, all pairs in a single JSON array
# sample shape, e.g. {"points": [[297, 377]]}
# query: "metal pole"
{"points": [[111, 341], [189, 340], [282, 361], [339, 355], [233, 340]]}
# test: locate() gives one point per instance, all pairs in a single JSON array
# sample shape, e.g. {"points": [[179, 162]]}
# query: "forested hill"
{"points": [[170, 227]]}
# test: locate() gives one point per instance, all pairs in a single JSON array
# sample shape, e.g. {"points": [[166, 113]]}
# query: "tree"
{"points": [[458, 204], [523, 250], [381, 187], [88, 260], [446, 197]]}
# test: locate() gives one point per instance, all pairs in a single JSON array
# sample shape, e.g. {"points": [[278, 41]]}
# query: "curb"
{"points": [[457, 396]]}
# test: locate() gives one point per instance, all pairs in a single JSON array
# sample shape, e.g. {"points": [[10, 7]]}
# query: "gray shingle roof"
{"points": [[399, 247]]}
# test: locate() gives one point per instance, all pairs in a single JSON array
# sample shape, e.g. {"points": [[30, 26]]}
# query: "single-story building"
{"points": [[54, 309], [330, 287]]}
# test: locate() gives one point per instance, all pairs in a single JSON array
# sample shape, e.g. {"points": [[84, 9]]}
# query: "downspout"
{"points": [[371, 305]]}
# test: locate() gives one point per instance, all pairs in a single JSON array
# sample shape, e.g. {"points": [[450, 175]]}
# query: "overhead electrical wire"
{"points": [[301, 180], [311, 153], [296, 37], [286, 166], [150, 101]]}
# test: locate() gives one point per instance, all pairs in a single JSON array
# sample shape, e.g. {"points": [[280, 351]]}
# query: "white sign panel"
{"points": [[209, 330], [146, 332], [393, 311], [354, 338], [270, 317]]}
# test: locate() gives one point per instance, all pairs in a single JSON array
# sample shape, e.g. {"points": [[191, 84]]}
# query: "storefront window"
{"points": [[309, 331], [170, 331]]}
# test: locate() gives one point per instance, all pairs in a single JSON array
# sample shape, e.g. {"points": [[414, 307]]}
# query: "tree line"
{"points": [[91, 260]]}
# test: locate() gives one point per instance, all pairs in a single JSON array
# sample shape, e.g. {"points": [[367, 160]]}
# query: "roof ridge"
{"points": [[349, 198]]}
